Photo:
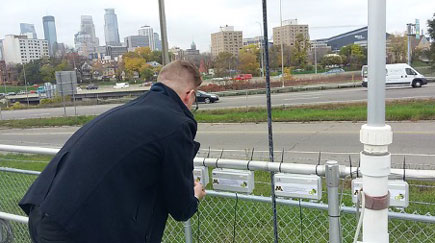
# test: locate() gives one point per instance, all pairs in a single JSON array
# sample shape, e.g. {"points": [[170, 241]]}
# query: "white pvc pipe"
{"points": [[376, 136], [13, 217], [295, 168], [28, 149]]}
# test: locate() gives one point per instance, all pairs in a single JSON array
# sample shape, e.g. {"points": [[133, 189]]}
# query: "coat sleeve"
{"points": [[177, 175]]}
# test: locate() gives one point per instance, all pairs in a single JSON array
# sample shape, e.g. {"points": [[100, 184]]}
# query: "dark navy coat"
{"points": [[117, 178]]}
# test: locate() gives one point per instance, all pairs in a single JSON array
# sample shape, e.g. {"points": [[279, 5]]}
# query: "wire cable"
{"points": [[198, 232], [6, 234], [301, 221], [360, 221], [235, 218]]}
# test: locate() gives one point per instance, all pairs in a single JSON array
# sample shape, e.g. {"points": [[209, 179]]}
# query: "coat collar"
{"points": [[165, 90]]}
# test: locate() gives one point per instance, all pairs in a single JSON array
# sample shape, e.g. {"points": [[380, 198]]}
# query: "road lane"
{"points": [[302, 141]]}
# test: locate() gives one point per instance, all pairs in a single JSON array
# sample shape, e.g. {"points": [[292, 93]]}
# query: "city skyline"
{"points": [[185, 20]]}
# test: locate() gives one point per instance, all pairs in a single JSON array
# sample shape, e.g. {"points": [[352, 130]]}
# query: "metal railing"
{"points": [[225, 216]]}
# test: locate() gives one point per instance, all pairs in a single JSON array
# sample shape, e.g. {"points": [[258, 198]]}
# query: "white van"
{"points": [[121, 85], [398, 74]]}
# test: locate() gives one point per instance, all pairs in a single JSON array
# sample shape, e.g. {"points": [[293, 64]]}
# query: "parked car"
{"points": [[207, 98], [2, 95], [41, 90], [243, 77], [92, 86], [398, 74], [334, 71], [21, 92], [11, 93], [32, 91]]}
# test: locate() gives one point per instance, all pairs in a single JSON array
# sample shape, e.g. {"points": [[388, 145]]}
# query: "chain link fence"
{"points": [[230, 217]]}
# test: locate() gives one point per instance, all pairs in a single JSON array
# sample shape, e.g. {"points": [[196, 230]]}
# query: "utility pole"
{"points": [[282, 45], [25, 84], [376, 135], [410, 32], [315, 57], [261, 50], [162, 15]]}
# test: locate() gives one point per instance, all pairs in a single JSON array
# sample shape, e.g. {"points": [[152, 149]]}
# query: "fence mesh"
{"points": [[222, 219]]}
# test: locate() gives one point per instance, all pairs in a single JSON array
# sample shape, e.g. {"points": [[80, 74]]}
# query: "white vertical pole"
{"points": [[375, 135]]}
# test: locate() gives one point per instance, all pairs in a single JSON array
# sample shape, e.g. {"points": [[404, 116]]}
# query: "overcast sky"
{"points": [[195, 20]]}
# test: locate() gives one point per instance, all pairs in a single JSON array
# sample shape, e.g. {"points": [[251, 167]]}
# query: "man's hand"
{"points": [[199, 191]]}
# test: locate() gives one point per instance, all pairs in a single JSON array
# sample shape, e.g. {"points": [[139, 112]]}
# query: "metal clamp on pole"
{"points": [[332, 181]]}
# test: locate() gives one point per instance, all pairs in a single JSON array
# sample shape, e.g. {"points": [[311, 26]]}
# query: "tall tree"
{"points": [[354, 56], [300, 51], [32, 70], [224, 63], [398, 45], [248, 62], [275, 56], [431, 30]]}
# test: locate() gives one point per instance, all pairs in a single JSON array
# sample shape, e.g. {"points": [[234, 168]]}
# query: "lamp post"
{"points": [[282, 44], [410, 32], [162, 15], [25, 84], [261, 50]]}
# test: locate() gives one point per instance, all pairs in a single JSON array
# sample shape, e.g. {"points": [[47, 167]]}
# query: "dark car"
{"points": [[207, 98], [92, 86], [334, 71]]}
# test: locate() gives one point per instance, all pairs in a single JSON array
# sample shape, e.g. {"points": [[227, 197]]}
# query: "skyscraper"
{"points": [[157, 42], [111, 31], [49, 32], [28, 30], [85, 40], [148, 32]]}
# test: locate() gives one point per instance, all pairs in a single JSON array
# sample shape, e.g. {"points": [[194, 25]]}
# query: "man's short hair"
{"points": [[179, 68]]}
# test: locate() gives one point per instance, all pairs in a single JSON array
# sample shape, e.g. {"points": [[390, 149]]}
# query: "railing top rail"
{"points": [[294, 168]]}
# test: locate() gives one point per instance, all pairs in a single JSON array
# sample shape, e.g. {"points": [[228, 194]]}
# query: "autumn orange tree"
{"points": [[136, 61], [248, 62]]}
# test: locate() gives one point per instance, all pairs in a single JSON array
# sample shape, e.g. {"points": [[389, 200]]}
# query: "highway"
{"points": [[284, 99], [302, 142]]}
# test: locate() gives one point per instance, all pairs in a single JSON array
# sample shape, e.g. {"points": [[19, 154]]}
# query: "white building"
{"points": [[149, 33], [20, 49]]}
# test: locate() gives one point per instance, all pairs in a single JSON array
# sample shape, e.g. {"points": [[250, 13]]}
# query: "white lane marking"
{"points": [[303, 98]]}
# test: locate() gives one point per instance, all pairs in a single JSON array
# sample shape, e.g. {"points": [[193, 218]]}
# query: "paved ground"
{"points": [[302, 142], [288, 99]]}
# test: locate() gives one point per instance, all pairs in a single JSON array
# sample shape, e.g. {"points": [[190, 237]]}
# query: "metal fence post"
{"points": [[188, 231], [332, 181]]}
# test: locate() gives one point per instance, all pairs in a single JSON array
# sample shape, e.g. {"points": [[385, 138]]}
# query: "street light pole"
{"points": [[282, 45], [409, 34], [261, 50], [162, 15], [25, 84], [315, 57]]}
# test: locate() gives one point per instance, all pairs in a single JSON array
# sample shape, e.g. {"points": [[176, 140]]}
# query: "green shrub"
{"points": [[17, 106]]}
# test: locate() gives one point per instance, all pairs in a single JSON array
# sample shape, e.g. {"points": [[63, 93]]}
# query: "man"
{"points": [[117, 178]]}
